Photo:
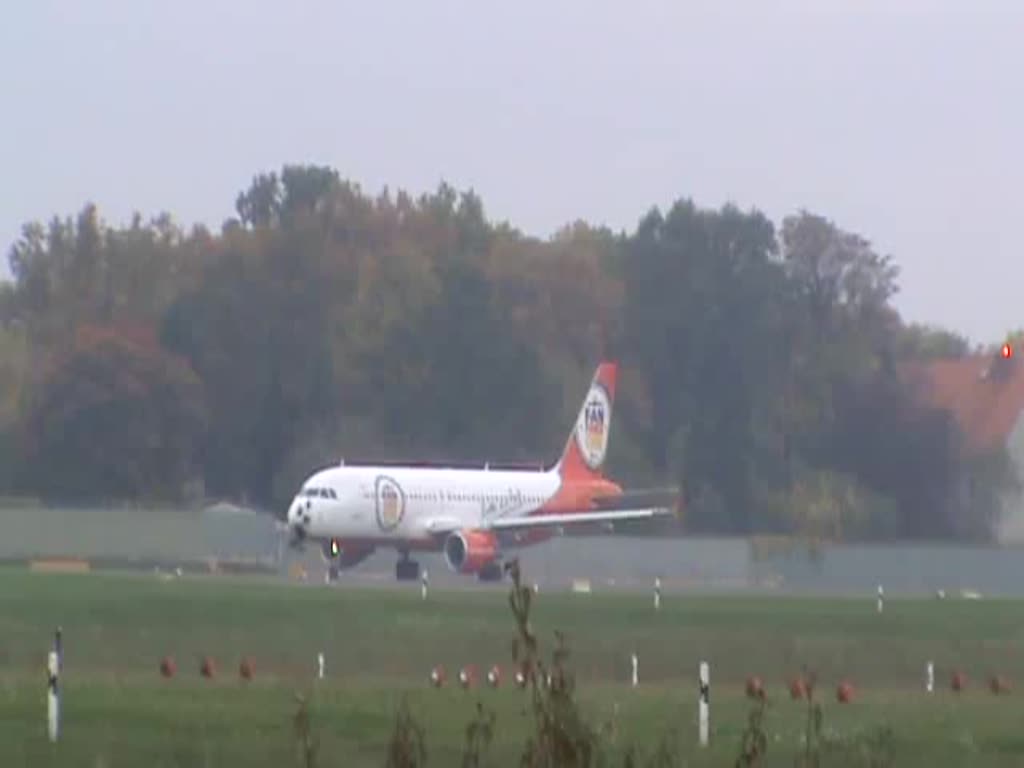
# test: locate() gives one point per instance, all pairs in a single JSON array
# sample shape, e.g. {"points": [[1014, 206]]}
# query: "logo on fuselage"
{"points": [[390, 503], [592, 430]]}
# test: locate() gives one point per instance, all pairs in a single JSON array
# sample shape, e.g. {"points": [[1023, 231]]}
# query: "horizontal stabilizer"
{"points": [[653, 497]]}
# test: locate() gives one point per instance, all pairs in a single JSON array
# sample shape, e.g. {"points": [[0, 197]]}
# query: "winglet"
{"points": [[587, 446]]}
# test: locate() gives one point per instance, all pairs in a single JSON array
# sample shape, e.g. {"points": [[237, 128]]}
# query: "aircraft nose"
{"points": [[296, 525]]}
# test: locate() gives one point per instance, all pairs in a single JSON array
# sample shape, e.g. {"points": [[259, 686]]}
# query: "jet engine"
{"points": [[470, 551]]}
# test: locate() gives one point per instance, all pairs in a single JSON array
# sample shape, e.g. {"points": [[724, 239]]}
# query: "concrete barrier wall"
{"points": [[135, 533], [608, 562], [619, 562], [920, 569]]}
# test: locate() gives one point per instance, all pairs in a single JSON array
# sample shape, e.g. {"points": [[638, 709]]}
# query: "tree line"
{"points": [[760, 363]]}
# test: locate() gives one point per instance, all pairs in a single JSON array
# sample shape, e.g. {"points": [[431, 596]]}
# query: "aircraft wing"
{"points": [[443, 525], [575, 518], [440, 526]]}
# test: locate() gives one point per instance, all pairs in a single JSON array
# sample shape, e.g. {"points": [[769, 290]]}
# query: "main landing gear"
{"points": [[409, 570], [493, 571], [406, 569]]}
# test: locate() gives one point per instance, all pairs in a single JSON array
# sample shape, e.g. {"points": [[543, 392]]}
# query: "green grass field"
{"points": [[381, 644]]}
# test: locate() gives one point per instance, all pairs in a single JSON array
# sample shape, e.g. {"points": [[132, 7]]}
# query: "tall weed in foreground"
{"points": [[665, 756], [306, 743], [407, 748], [560, 736], [479, 734], [754, 744], [811, 757]]}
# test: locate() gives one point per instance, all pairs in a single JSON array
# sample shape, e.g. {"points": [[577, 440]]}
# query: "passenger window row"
{"points": [[451, 496]]}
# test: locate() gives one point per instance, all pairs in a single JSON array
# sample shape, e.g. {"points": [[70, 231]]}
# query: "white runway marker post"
{"points": [[636, 678], [704, 701], [929, 677], [53, 699], [320, 665], [657, 592], [54, 664], [881, 597]]}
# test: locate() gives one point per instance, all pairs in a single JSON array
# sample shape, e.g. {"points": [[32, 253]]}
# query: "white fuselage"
{"points": [[390, 505]]}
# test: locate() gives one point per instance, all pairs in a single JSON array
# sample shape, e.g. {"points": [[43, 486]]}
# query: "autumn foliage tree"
{"points": [[13, 385], [760, 362], [115, 417]]}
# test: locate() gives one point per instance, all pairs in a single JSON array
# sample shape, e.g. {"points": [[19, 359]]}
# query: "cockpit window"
{"points": [[321, 493]]}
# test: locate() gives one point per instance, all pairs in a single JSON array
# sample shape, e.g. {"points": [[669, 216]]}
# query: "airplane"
{"points": [[472, 515]]}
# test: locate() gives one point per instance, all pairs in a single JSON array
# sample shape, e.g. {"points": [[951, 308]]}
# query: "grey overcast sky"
{"points": [[901, 120]]}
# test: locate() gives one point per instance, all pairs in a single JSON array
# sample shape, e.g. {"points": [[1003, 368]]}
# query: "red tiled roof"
{"points": [[984, 393]]}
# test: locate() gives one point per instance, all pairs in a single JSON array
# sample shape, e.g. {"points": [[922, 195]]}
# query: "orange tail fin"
{"points": [[587, 446]]}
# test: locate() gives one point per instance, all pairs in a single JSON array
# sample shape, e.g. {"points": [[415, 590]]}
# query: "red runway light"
{"points": [[1007, 351]]}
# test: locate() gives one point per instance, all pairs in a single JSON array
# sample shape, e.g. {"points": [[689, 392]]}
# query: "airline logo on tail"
{"points": [[592, 429]]}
